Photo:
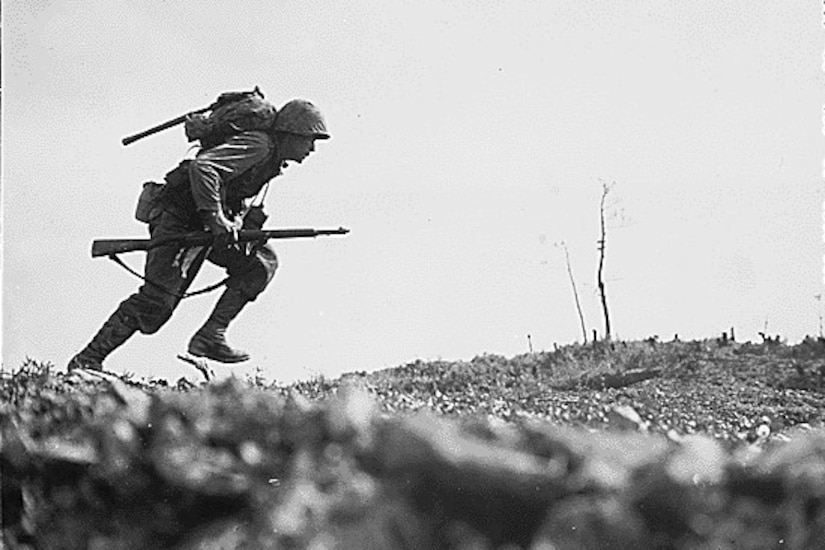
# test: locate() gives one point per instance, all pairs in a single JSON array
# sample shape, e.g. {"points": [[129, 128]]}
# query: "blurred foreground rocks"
{"points": [[230, 466]]}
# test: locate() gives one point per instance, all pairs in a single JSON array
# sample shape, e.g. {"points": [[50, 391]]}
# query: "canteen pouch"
{"points": [[148, 201]]}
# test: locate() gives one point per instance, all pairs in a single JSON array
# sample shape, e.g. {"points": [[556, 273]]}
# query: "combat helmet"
{"points": [[303, 118]]}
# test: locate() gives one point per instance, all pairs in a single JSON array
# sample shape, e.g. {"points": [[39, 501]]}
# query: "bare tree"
{"points": [[575, 290], [602, 247]]}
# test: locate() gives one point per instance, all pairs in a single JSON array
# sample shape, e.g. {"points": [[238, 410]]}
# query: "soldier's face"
{"points": [[295, 147]]}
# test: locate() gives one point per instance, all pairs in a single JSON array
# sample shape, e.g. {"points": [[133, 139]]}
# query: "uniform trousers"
{"points": [[170, 271]]}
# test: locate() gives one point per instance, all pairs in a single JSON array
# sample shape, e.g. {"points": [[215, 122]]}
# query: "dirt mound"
{"points": [[108, 465]]}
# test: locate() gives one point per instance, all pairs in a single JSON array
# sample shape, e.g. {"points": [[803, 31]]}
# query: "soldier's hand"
{"points": [[222, 228]]}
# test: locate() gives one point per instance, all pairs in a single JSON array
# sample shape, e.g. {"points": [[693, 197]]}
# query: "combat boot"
{"points": [[210, 340], [114, 332]]}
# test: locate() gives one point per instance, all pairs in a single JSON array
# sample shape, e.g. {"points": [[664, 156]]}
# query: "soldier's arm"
{"points": [[214, 167]]}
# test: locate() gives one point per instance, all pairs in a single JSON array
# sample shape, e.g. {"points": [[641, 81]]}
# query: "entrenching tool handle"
{"points": [[160, 127], [224, 98]]}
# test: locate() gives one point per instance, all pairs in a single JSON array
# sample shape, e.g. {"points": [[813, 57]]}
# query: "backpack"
{"points": [[230, 114]]}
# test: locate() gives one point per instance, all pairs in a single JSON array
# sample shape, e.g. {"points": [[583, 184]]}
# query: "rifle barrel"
{"points": [[251, 235]]}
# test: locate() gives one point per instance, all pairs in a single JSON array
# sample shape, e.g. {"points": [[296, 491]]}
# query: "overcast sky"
{"points": [[469, 138]]}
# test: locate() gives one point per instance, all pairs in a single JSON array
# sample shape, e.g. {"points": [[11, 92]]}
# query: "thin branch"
{"points": [[575, 291], [602, 247]]}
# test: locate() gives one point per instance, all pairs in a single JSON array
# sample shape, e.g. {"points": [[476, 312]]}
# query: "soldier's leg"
{"points": [[249, 274], [149, 308], [118, 328]]}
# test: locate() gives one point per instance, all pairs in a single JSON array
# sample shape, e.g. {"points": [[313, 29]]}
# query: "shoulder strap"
{"points": [[115, 258]]}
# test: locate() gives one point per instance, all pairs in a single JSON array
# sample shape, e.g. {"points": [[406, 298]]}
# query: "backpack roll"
{"points": [[232, 113]]}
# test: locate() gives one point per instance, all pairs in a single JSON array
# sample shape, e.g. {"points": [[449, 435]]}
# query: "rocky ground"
{"points": [[684, 445]]}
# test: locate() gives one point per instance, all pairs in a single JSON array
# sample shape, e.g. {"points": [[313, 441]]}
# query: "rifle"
{"points": [[222, 99], [111, 247]]}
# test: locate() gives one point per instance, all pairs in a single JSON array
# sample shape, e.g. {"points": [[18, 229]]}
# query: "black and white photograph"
{"points": [[439, 274]]}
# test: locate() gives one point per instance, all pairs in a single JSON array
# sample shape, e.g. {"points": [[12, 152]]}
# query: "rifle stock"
{"points": [[111, 247]]}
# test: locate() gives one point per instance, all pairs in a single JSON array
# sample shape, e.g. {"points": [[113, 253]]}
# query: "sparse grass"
{"points": [[156, 462]]}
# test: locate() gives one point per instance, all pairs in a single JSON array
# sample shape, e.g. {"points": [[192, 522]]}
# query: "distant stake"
{"points": [[529, 344]]}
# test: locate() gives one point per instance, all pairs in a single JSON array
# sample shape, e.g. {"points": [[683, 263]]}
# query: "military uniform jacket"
{"points": [[224, 178]]}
